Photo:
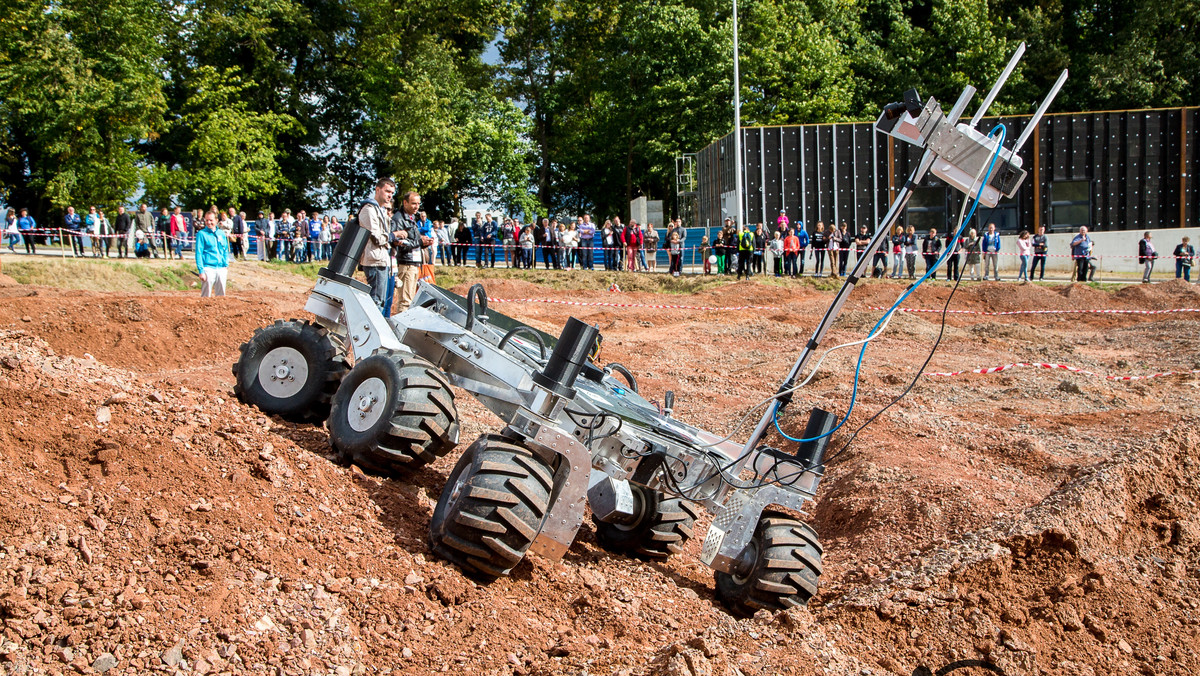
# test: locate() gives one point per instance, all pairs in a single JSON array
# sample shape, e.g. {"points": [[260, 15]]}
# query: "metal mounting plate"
{"points": [[566, 512]]}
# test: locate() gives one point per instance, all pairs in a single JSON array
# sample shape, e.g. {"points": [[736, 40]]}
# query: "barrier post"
{"points": [[63, 249]]}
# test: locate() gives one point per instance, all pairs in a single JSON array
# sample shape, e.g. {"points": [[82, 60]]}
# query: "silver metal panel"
{"points": [[365, 325], [736, 524], [566, 514]]}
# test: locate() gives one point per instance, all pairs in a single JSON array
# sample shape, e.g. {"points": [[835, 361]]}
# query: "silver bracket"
{"points": [[733, 526], [566, 507], [365, 326]]}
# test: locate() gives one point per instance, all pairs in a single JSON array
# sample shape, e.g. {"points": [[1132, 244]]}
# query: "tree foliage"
{"points": [[79, 101], [301, 103]]}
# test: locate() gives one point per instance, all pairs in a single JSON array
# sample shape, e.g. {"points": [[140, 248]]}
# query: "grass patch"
{"points": [[102, 275], [582, 280], [308, 270]]}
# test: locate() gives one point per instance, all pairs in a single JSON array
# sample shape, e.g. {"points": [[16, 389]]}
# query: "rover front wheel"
{"points": [[290, 369], [778, 569]]}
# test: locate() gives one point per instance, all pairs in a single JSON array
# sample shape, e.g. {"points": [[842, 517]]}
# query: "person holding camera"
{"points": [[406, 228]]}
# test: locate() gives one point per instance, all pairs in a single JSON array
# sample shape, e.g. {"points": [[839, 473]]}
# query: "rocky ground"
{"points": [[1043, 521]]}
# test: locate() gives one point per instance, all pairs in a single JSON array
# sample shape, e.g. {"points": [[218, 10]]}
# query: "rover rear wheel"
{"points": [[393, 413], [661, 528], [290, 369]]}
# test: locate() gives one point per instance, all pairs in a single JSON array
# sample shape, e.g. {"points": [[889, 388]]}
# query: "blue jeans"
{"points": [[1024, 273], [585, 254], [1182, 270], [389, 296], [377, 279]]}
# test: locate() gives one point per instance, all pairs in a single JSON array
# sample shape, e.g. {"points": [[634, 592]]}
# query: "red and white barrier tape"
{"points": [[660, 307], [1042, 312], [1064, 367]]}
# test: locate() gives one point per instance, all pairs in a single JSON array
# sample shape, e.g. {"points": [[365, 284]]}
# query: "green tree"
{"points": [[614, 91], [796, 62], [1121, 54], [78, 102], [232, 151]]}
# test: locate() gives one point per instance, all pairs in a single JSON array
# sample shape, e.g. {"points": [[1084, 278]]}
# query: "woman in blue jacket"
{"points": [[212, 257]]}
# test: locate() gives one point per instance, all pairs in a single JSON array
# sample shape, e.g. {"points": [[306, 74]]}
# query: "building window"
{"points": [[1005, 215], [1070, 204], [927, 209]]}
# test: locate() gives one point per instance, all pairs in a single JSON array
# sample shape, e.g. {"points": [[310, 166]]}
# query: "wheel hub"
{"points": [[283, 372], [367, 404], [743, 565], [640, 510]]}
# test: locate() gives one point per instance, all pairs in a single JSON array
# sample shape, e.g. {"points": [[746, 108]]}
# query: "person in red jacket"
{"points": [[632, 242], [791, 249], [179, 232]]}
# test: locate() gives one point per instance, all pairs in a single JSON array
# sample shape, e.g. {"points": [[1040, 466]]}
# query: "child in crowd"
{"points": [[676, 252], [527, 246], [705, 254]]}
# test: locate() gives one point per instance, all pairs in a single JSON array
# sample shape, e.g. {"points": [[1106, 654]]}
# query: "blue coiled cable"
{"points": [[945, 254]]}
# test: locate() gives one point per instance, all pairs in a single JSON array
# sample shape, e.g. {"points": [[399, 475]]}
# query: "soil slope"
{"points": [[1043, 521]]}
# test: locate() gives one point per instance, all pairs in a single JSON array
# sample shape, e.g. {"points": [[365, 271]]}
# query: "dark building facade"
{"points": [[1107, 170]]}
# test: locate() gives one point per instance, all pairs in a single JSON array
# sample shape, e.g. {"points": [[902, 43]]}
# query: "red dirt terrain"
{"points": [[1042, 521]]}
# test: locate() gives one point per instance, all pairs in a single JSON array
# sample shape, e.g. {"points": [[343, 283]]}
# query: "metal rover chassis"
{"points": [[446, 330]]}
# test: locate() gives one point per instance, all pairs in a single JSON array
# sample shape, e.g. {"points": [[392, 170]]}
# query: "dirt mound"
{"points": [[149, 521], [167, 331], [1176, 290], [1096, 578]]}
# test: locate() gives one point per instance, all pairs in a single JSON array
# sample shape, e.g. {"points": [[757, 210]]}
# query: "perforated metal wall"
{"points": [[1115, 170]]}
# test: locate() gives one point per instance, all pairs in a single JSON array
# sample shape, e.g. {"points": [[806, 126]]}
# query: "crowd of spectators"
{"points": [[562, 245], [785, 250], [169, 232]]}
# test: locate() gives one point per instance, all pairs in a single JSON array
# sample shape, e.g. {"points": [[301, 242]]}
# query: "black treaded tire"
{"points": [[304, 389], [663, 528], [786, 567], [492, 507], [412, 422]]}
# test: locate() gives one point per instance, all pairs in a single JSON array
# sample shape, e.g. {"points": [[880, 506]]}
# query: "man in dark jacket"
{"points": [[237, 230], [1041, 245], [262, 229], [72, 223], [485, 251], [163, 225], [121, 227], [409, 241], [551, 243], [931, 248]]}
